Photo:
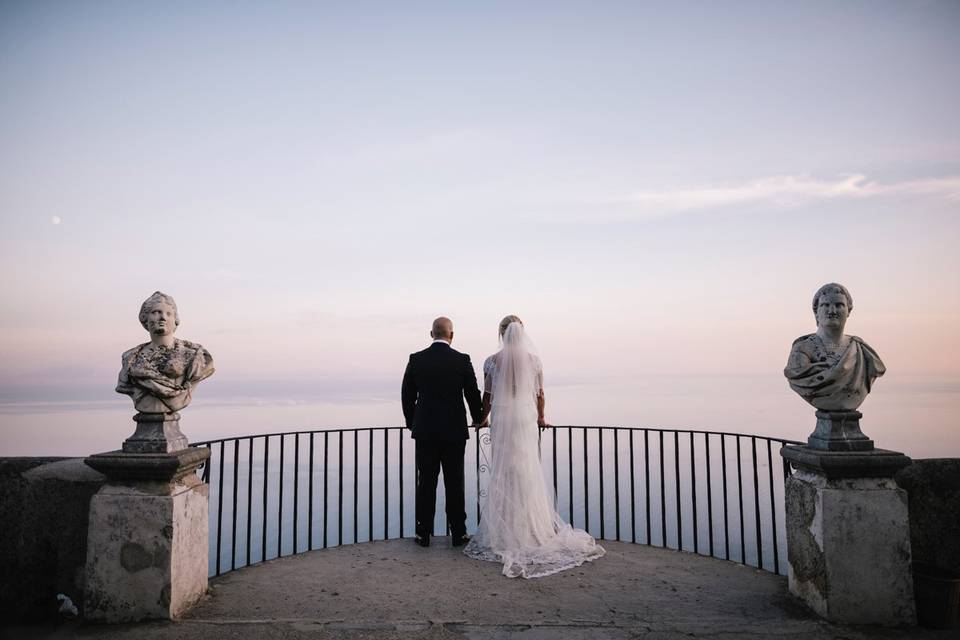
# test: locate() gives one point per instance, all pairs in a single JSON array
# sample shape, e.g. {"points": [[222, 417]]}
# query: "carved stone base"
{"points": [[878, 463], [848, 537], [156, 433], [163, 467], [839, 431]]}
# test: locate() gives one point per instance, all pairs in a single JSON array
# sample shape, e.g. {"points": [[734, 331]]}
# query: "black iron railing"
{"points": [[712, 493]]}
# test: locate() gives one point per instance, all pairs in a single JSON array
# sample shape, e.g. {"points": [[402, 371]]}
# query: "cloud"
{"points": [[781, 192]]}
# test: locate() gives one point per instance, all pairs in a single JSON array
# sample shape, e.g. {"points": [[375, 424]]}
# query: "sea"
{"points": [[352, 490]]}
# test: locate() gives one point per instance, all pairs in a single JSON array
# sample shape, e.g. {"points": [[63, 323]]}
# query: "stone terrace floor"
{"points": [[395, 589]]}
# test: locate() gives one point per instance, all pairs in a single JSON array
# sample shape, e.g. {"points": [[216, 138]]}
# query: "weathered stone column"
{"points": [[848, 533], [147, 542]]}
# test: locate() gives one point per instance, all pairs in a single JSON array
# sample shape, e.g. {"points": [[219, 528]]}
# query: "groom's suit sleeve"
{"points": [[470, 390], [408, 394]]}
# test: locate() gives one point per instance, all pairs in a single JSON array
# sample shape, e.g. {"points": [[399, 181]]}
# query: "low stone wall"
{"points": [[44, 505], [933, 488]]}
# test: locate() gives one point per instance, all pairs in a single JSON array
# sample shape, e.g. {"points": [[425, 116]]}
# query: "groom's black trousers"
{"points": [[431, 456]]}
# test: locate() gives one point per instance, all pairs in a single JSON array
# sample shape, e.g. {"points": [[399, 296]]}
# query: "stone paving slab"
{"points": [[395, 589]]}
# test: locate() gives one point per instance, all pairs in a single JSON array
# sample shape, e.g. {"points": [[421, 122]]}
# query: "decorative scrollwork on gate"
{"points": [[483, 464]]}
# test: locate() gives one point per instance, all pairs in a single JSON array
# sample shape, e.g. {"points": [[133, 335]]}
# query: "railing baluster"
{"points": [[233, 514], [663, 498], [280, 507], [726, 516], [310, 499], [266, 484], [586, 485], [616, 478], [249, 492], [220, 507], [370, 490], [602, 516], [340, 488], [477, 454], [356, 484], [296, 487], [756, 502], [676, 477], [693, 493], [386, 484], [326, 478], [706, 441], [570, 470], [743, 547], [773, 511], [400, 479], [646, 476], [554, 460], [633, 496]]}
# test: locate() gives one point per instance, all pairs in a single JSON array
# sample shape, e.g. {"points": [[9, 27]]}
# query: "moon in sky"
{"points": [[55, 220]]}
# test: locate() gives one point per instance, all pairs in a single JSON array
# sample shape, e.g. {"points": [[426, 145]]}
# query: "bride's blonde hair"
{"points": [[506, 323]]}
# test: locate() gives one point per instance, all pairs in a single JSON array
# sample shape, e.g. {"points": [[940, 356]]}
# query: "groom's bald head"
{"points": [[442, 329]]}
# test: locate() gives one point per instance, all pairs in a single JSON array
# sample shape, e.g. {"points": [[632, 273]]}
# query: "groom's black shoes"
{"points": [[423, 541], [459, 541]]}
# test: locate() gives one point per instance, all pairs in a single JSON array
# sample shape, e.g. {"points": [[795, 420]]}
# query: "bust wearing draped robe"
{"points": [[829, 369]]}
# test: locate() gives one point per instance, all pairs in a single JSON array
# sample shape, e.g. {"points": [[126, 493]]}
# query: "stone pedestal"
{"points": [[839, 431], [156, 433], [848, 535], [147, 542]]}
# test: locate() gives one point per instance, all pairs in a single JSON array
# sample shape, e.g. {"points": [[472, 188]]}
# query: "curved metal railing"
{"points": [[707, 492]]}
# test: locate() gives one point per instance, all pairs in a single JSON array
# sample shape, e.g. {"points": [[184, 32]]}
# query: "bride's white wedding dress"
{"points": [[519, 525]]}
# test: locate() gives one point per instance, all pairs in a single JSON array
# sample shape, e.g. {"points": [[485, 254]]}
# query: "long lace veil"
{"points": [[517, 377]]}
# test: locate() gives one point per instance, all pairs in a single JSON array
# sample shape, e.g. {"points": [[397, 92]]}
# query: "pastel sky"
{"points": [[657, 189]]}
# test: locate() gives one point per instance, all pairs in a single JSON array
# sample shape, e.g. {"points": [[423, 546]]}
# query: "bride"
{"points": [[519, 525]]}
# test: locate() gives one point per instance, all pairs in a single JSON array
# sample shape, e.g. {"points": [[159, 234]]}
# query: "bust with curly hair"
{"points": [[160, 375]]}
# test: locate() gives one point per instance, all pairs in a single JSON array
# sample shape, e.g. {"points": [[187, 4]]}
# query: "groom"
{"points": [[435, 383]]}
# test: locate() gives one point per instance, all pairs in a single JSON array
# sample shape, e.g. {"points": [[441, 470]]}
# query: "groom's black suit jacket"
{"points": [[435, 383]]}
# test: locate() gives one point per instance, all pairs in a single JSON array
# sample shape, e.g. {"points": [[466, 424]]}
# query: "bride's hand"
{"points": [[543, 423]]}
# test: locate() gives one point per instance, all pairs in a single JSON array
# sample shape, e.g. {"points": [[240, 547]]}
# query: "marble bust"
{"points": [[829, 369], [160, 375]]}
